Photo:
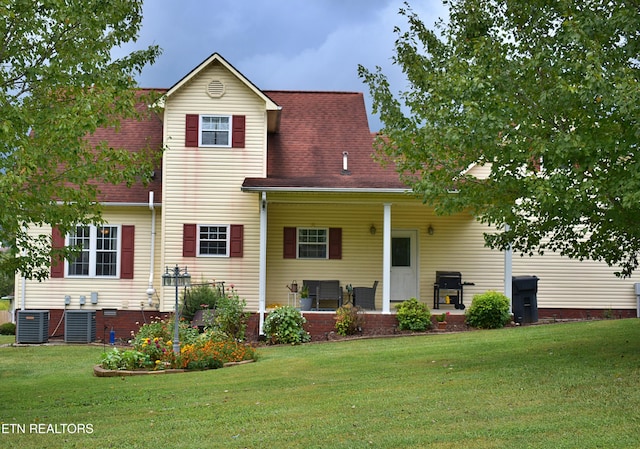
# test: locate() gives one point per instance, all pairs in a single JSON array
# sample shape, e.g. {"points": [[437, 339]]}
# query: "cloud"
{"points": [[278, 44]]}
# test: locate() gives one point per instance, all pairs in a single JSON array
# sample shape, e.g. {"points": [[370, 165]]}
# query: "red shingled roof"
{"points": [[133, 135], [315, 129], [306, 152]]}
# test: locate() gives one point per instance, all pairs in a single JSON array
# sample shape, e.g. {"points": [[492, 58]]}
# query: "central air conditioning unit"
{"points": [[32, 326], [80, 326]]}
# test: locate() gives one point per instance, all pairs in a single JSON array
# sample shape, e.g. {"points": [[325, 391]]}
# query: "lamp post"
{"points": [[178, 277]]}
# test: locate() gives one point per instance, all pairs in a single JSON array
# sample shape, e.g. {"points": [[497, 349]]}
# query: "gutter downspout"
{"points": [[508, 273], [386, 260], [23, 294], [23, 291], [262, 271], [150, 289]]}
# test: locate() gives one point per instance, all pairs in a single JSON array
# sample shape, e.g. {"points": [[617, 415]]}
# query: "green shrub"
{"points": [[200, 296], [489, 310], [413, 315], [285, 325], [123, 360], [229, 317], [7, 329], [349, 320], [164, 330]]}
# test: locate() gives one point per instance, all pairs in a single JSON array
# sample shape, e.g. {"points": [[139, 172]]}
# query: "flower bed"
{"points": [[152, 350], [99, 371]]}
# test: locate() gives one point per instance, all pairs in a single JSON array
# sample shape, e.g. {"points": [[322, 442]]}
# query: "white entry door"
{"points": [[404, 265]]}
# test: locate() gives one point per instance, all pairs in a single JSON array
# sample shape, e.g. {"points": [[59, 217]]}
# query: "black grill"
{"points": [[451, 281]]}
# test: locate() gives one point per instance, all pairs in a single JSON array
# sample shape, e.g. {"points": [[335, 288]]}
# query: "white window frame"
{"points": [[202, 130], [227, 240], [93, 253], [299, 242]]}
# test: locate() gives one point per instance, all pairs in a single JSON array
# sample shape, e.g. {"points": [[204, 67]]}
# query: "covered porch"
{"points": [[392, 239]]}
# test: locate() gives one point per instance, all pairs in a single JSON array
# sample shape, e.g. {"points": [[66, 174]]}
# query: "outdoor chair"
{"points": [[365, 297], [328, 291]]}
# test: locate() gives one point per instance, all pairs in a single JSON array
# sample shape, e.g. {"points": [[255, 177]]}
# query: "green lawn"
{"points": [[553, 386]]}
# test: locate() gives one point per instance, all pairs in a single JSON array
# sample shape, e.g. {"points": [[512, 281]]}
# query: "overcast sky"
{"points": [[279, 44]]}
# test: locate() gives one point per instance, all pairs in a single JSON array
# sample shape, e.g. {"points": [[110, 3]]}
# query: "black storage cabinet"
{"points": [[525, 299]]}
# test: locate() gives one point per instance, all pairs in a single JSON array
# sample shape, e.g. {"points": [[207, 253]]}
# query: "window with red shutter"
{"points": [[100, 248], [312, 243], [127, 247], [290, 249], [191, 130], [236, 241], [189, 240], [335, 243], [57, 242], [238, 131]]}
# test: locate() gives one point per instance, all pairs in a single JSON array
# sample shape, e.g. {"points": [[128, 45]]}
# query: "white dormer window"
{"points": [[215, 131]]}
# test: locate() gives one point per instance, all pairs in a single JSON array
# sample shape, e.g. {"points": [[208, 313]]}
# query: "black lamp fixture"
{"points": [[430, 230], [177, 277]]}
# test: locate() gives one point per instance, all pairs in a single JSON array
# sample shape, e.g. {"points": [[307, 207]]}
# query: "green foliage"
{"points": [[212, 354], [224, 310], [349, 320], [7, 275], [544, 96], [230, 317], [153, 349], [122, 360], [284, 325], [581, 376], [61, 80], [488, 310], [7, 329], [164, 330], [198, 297], [413, 315]]}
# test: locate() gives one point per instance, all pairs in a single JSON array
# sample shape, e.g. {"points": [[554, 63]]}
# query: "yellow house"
{"points": [[261, 189]]}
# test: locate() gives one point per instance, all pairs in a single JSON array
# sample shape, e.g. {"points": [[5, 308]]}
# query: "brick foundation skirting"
{"points": [[321, 325]]}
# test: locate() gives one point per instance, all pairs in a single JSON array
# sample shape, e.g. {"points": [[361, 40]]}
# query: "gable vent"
{"points": [[215, 89]]}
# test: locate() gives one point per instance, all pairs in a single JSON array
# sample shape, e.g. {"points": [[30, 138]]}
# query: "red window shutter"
{"points": [[191, 130], [236, 241], [127, 246], [335, 243], [237, 134], [189, 239], [57, 264], [289, 246]]}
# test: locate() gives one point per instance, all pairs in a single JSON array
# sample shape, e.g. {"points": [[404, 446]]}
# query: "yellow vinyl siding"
{"points": [[457, 244], [566, 283], [202, 185], [361, 252], [112, 293]]}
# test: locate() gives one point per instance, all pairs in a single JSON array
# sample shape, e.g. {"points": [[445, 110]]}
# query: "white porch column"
{"points": [[262, 276], [386, 260], [508, 273]]}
